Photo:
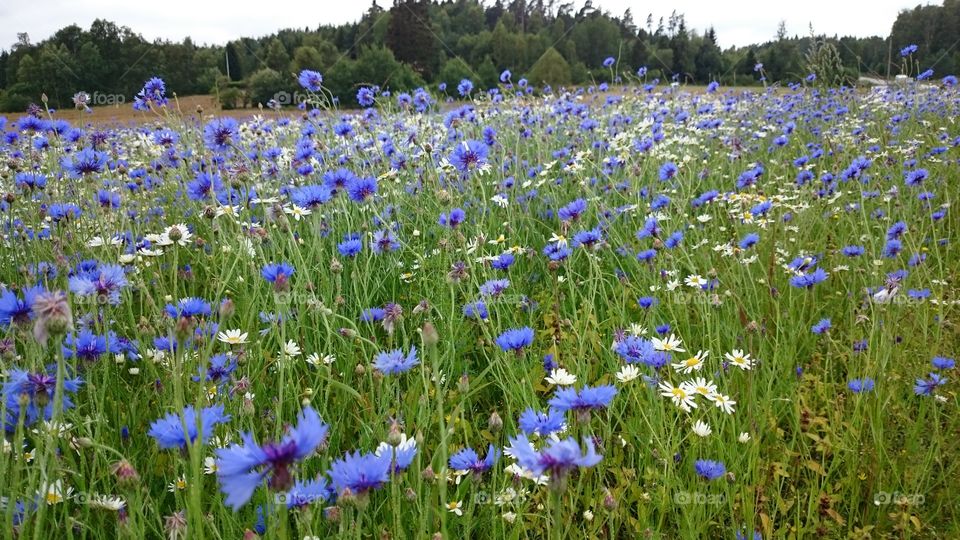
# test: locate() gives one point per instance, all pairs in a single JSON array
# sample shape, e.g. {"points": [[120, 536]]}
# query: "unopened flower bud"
{"points": [[394, 436], [608, 501], [52, 316], [429, 334], [332, 513], [125, 472], [495, 424]]}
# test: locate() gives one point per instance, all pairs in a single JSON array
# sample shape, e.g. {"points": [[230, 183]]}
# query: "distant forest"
{"points": [[421, 42]]}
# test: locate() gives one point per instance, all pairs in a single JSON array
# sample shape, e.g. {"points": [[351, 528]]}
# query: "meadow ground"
{"points": [[654, 313]]}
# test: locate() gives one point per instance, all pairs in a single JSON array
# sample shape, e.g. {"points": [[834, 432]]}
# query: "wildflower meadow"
{"points": [[633, 311]]}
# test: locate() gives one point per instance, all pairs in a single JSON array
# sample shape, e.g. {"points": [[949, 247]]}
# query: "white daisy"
{"points": [[561, 377], [291, 349], [680, 397], [701, 429], [694, 363], [739, 358], [232, 337], [722, 402], [700, 386], [628, 373], [669, 344]]}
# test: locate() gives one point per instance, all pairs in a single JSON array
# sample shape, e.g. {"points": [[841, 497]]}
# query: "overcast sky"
{"points": [[737, 22]]}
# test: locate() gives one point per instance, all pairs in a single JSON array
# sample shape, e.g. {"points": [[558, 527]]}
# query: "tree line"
{"points": [[419, 42]]}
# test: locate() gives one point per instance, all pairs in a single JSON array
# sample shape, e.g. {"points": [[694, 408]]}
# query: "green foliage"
{"points": [[823, 61], [454, 70], [550, 69], [266, 84], [421, 34]]}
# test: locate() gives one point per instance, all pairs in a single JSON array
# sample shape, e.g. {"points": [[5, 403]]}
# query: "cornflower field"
{"points": [[640, 311]]}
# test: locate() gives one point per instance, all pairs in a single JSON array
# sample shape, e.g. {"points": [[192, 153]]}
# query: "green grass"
{"points": [[820, 460]]}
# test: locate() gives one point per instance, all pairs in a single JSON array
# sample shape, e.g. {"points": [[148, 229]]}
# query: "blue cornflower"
{"points": [[465, 87], [749, 240], [241, 467], [400, 455], [452, 220], [30, 180], [365, 96], [711, 470], [926, 387], [468, 460], [503, 261], [169, 430], [188, 308], [635, 349], [557, 251], [587, 238], [219, 369], [915, 177], [338, 179], [17, 310], [351, 245], [85, 162], [220, 134], [360, 473], [311, 196], [153, 93], [384, 241], [205, 184], [822, 326], [807, 281], [668, 170], [515, 339], [469, 155], [533, 422], [476, 310], [650, 228], [858, 386], [85, 346], [852, 251], [362, 188], [557, 459], [942, 362], [310, 80], [892, 248], [39, 390], [277, 272], [573, 210], [395, 361], [494, 287], [104, 283], [505, 76], [584, 401], [303, 494], [374, 314], [647, 302]]}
